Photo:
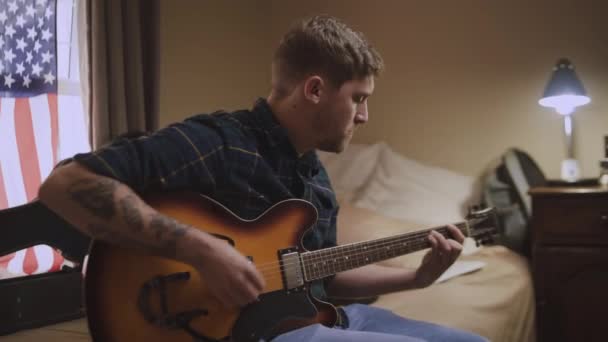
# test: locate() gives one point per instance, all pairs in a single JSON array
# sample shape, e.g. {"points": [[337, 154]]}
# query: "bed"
{"points": [[382, 193]]}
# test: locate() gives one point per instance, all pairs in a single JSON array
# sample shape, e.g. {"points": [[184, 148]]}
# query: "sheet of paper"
{"points": [[460, 268]]}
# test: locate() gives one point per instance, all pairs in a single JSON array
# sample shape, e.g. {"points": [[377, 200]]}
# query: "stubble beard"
{"points": [[336, 145]]}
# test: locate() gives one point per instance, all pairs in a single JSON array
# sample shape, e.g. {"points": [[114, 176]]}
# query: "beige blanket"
{"points": [[496, 302]]}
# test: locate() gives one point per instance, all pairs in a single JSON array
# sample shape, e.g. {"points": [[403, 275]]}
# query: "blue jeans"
{"points": [[367, 323]]}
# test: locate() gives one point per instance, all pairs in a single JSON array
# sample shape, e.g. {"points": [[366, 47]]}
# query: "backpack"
{"points": [[505, 187]]}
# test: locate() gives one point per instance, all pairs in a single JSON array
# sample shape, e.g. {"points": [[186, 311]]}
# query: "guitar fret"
{"points": [[328, 262]]}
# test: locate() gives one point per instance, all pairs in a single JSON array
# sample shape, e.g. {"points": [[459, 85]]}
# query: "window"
{"points": [[73, 123], [33, 33]]}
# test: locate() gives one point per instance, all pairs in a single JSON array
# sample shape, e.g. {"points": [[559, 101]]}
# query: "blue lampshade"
{"points": [[564, 92]]}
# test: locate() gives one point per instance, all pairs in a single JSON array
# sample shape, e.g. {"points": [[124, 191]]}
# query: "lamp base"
{"points": [[571, 170]]}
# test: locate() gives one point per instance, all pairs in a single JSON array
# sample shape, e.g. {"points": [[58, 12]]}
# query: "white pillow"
{"points": [[350, 170], [405, 189]]}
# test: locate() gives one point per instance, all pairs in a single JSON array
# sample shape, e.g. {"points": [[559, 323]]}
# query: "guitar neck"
{"points": [[329, 261]]}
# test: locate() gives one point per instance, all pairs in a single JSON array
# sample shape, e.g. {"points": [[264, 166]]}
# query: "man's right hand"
{"points": [[229, 275]]}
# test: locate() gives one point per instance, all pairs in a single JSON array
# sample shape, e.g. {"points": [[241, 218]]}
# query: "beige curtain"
{"points": [[120, 56]]}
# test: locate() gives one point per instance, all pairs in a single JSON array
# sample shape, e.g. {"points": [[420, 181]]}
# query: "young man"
{"points": [[322, 76]]}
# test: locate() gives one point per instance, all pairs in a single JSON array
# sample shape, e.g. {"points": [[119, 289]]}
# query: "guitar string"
{"points": [[324, 253], [377, 252], [373, 249], [272, 270], [331, 268], [378, 244]]}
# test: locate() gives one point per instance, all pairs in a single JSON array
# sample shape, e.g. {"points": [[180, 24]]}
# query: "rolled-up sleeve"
{"points": [[187, 155]]}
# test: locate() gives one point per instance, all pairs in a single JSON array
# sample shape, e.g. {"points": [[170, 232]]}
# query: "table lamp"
{"points": [[564, 92]]}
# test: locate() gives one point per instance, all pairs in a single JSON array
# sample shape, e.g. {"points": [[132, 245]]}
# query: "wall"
{"points": [[462, 79], [213, 56]]}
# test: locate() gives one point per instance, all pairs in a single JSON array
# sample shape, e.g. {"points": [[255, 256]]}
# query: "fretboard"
{"points": [[329, 261]]}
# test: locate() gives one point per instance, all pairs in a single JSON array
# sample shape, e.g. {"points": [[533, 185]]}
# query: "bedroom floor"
{"points": [[75, 330]]}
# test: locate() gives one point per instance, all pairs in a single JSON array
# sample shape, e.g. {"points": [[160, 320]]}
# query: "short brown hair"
{"points": [[323, 44]]}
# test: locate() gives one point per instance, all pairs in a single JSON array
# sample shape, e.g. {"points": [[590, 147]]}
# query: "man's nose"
{"points": [[361, 116]]}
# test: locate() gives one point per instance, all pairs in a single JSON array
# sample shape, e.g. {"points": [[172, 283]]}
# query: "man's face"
{"points": [[343, 111]]}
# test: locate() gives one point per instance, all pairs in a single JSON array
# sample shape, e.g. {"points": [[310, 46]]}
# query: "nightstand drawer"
{"points": [[571, 292], [571, 219]]}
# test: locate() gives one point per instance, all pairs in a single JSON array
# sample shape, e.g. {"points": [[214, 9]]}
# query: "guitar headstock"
{"points": [[482, 224]]}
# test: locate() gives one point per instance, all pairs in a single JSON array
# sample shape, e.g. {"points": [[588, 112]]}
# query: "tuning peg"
{"points": [[479, 211], [476, 208]]}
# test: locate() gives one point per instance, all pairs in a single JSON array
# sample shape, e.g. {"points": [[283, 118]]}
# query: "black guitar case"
{"points": [[38, 300]]}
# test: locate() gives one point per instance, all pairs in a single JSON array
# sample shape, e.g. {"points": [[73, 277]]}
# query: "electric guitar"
{"points": [[132, 296]]}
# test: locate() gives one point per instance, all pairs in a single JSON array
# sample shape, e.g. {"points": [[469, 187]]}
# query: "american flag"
{"points": [[29, 132]]}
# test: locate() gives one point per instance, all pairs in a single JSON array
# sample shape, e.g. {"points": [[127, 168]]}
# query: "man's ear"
{"points": [[314, 86]]}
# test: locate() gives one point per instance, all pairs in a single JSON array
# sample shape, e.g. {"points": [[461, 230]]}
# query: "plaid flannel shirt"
{"points": [[243, 160]]}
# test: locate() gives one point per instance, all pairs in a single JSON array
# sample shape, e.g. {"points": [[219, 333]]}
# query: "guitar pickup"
{"points": [[291, 270]]}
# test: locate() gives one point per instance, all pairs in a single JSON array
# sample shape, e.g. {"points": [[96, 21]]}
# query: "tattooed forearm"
{"points": [[95, 195], [103, 233], [162, 239], [166, 228], [108, 210], [131, 213]]}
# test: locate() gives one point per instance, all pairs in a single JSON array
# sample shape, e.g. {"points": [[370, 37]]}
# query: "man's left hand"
{"points": [[442, 255]]}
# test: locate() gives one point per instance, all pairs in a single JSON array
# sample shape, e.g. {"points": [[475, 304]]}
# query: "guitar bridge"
{"points": [[291, 268]]}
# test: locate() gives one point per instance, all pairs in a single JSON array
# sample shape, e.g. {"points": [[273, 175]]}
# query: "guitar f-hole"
{"points": [[180, 320]]}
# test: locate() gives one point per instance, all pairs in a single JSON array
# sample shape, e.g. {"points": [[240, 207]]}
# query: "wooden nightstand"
{"points": [[570, 262]]}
